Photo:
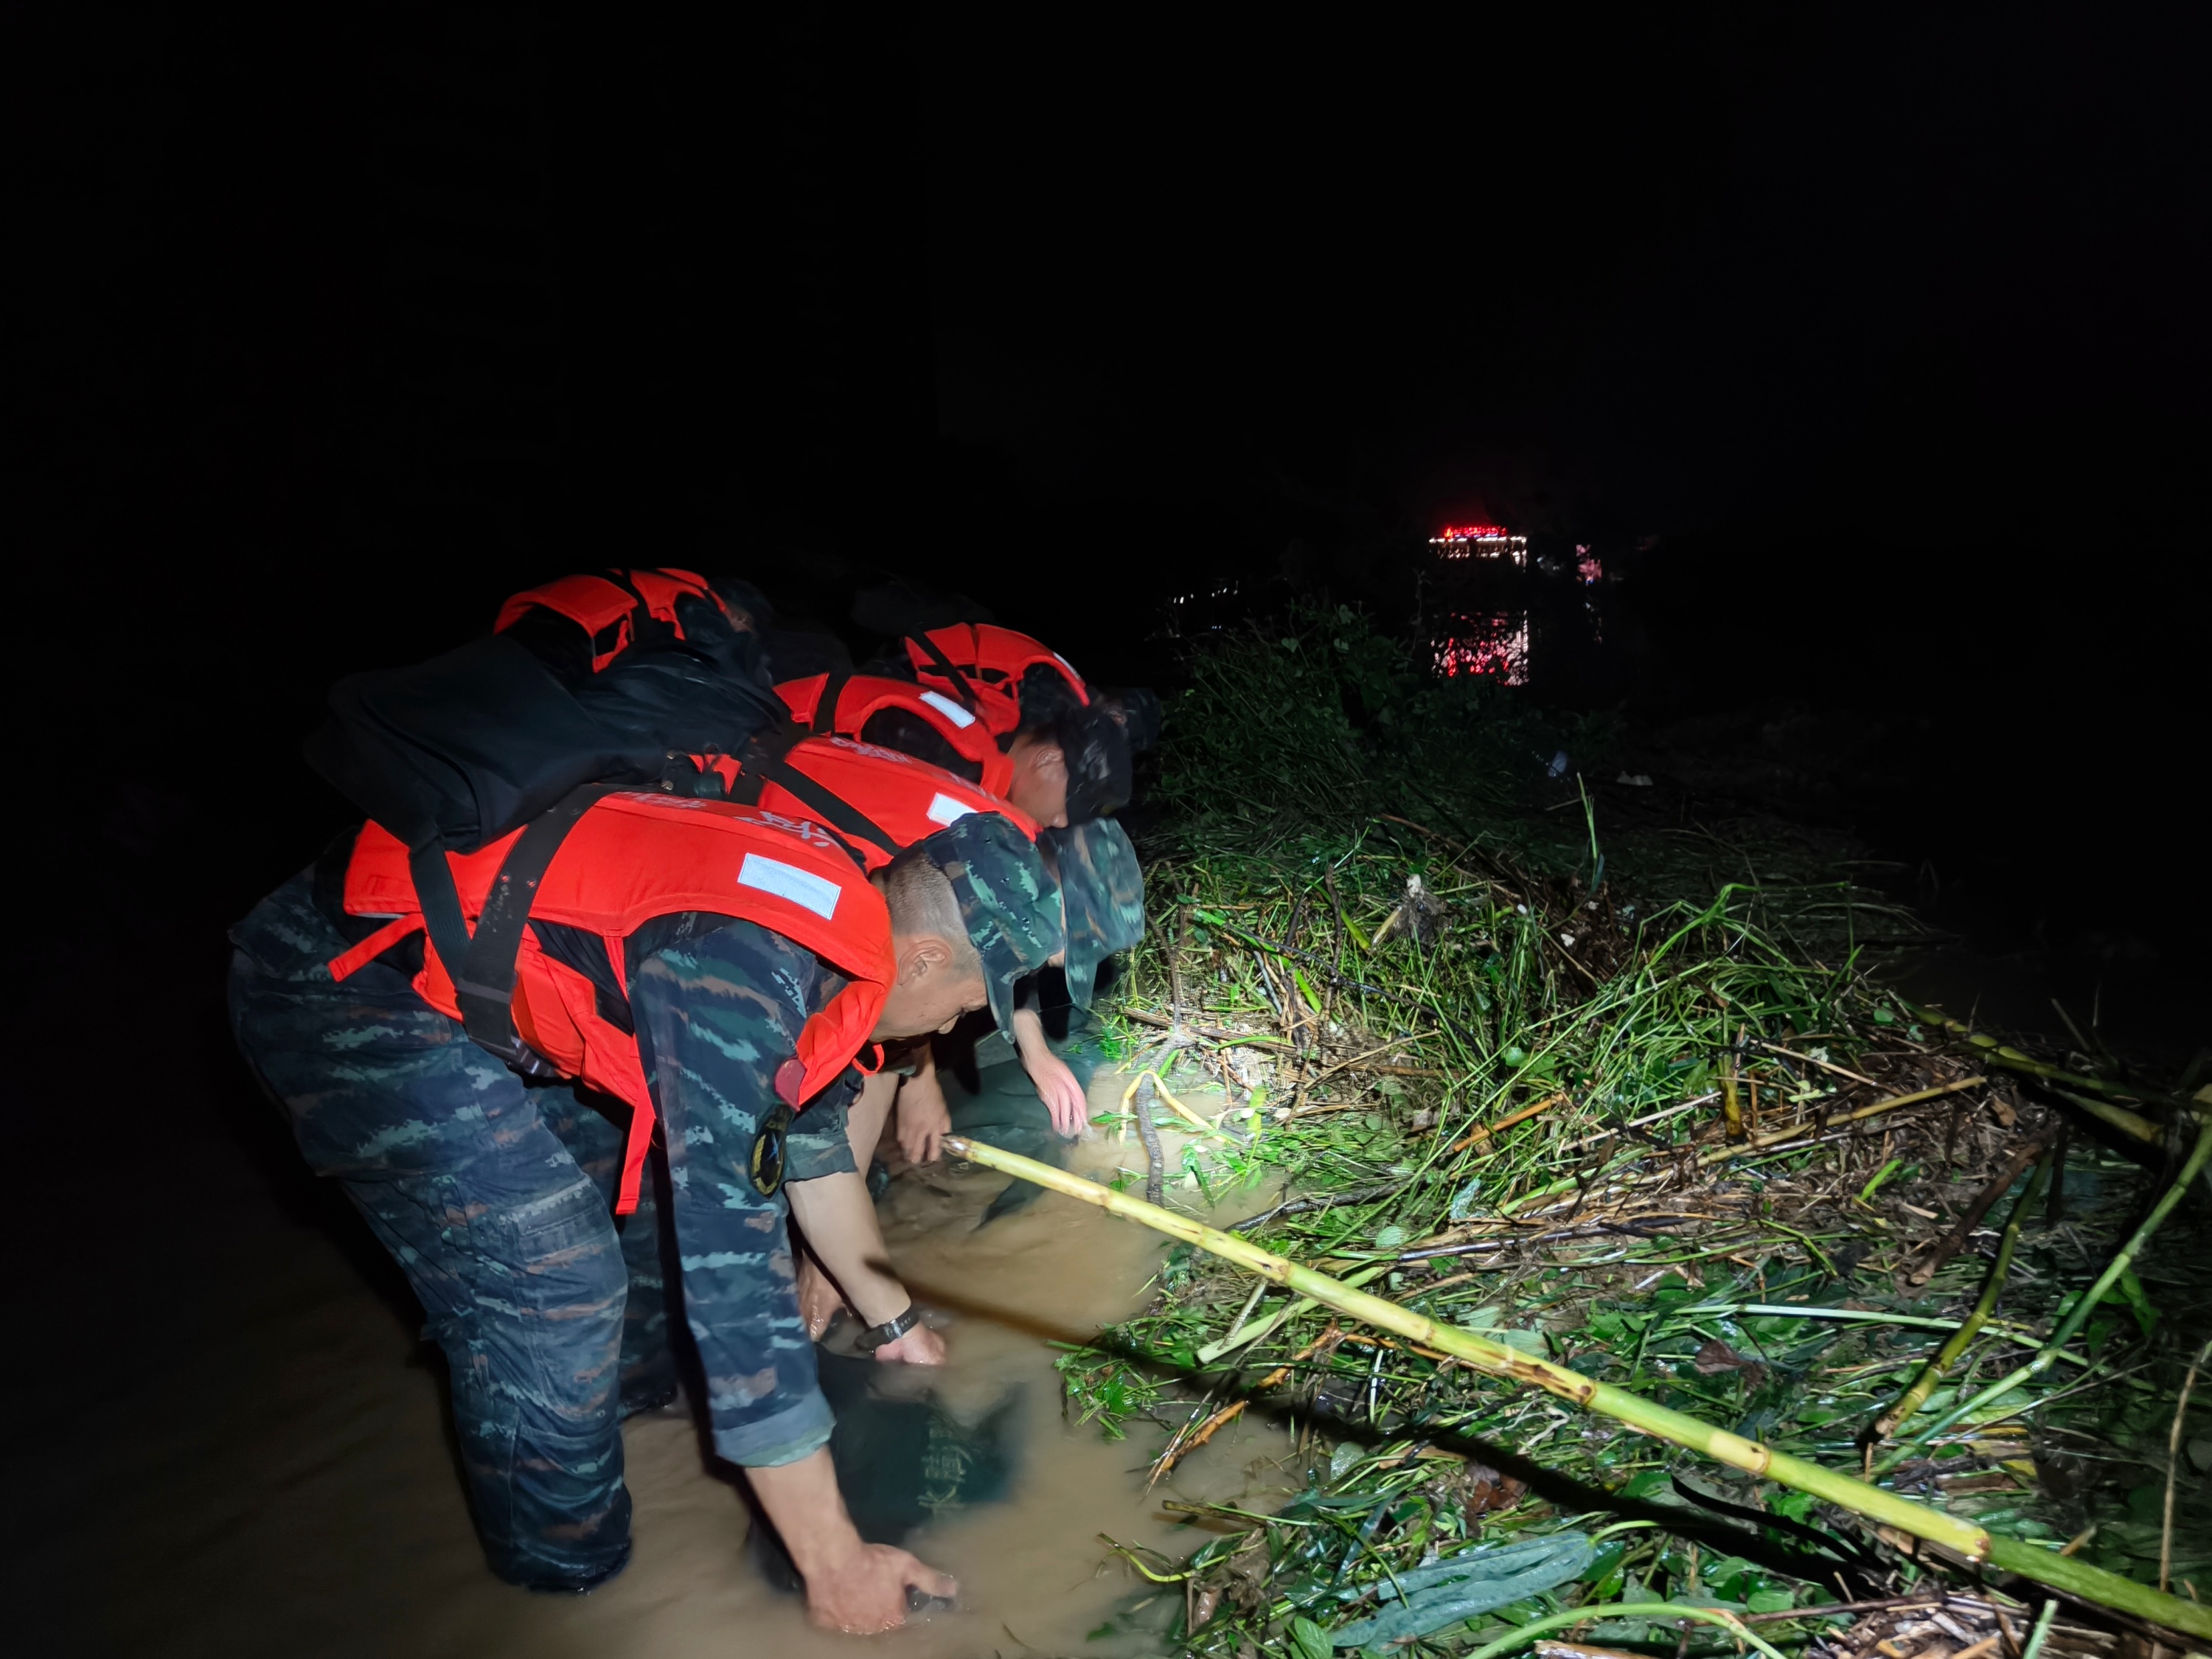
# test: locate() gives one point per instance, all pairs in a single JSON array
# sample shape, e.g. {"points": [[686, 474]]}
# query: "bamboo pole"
{"points": [[1478, 1353]]}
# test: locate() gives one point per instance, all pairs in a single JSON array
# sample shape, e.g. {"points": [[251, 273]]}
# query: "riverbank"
{"points": [[1632, 1094]]}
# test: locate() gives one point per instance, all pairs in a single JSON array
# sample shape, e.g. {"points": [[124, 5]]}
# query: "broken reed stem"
{"points": [[2174, 1466], [1485, 1131], [1731, 1108], [1948, 1356], [1723, 1154], [2079, 1316], [1180, 1448], [1955, 1240], [1496, 1359]]}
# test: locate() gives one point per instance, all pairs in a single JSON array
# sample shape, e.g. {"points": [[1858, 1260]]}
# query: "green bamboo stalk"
{"points": [[2127, 1122], [1948, 1356], [1995, 1052], [2072, 1323], [1479, 1354]]}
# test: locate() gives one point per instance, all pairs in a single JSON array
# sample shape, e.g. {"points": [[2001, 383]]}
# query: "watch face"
{"points": [[767, 1161]]}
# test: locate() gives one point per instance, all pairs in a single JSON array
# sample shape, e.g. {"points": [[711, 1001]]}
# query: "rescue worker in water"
{"points": [[710, 966]]}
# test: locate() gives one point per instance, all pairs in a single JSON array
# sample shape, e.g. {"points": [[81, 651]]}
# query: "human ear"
{"points": [[924, 953]]}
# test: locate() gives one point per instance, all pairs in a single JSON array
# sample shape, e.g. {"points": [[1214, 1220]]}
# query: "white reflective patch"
{"points": [[943, 808], [1069, 666], [789, 881], [951, 710]]}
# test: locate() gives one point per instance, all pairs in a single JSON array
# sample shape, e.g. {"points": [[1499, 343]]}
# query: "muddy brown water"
{"points": [[292, 1491]]}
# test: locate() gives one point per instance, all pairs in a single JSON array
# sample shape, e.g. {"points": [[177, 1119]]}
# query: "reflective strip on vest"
{"points": [[951, 710], [789, 881]]}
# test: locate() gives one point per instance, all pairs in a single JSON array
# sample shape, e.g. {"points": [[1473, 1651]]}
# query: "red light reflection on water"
{"points": [[1495, 644]]}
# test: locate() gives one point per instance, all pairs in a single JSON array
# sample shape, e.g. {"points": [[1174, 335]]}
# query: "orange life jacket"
{"points": [[607, 607], [981, 665], [629, 857], [843, 704], [880, 801]]}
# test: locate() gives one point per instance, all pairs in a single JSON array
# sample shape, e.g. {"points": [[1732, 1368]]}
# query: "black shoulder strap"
{"points": [[825, 706], [441, 904], [834, 810], [961, 689], [484, 981]]}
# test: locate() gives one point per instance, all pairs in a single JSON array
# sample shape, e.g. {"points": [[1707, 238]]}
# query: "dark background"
{"points": [[1888, 327]]}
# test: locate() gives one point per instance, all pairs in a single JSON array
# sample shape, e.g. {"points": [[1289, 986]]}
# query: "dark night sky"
{"points": [[1889, 325]]}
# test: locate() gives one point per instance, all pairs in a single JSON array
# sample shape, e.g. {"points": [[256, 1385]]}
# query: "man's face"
{"points": [[927, 995], [1040, 785]]}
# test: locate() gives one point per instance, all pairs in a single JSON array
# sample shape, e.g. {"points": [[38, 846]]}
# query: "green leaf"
{"points": [[1391, 1237], [1769, 1601], [1305, 988], [1311, 1639], [2131, 1290]]}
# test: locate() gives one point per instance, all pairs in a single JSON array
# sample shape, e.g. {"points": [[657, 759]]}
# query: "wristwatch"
{"points": [[889, 1331]]}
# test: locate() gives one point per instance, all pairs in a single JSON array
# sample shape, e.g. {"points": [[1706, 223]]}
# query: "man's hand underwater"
{"points": [[1061, 1091], [924, 1120], [865, 1594]]}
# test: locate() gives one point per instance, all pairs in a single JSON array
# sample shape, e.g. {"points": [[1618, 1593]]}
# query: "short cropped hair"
{"points": [[921, 900]]}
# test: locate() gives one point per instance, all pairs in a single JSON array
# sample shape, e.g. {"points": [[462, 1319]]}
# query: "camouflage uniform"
{"points": [[494, 1198], [1103, 896]]}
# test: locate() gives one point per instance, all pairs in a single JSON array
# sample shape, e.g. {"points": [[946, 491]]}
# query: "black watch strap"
{"points": [[890, 1330]]}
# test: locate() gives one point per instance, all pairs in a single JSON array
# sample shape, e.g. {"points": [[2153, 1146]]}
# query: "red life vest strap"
{"points": [[347, 963]]}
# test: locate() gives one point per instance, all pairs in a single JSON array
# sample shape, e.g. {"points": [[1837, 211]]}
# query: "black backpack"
{"points": [[452, 754]]}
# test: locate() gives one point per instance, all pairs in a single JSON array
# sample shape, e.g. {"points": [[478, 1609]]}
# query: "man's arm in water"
{"points": [[719, 1004], [852, 1586], [1057, 1085], [924, 1120], [839, 1220]]}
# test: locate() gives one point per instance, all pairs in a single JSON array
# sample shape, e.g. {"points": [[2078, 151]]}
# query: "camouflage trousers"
{"points": [[495, 1198]]}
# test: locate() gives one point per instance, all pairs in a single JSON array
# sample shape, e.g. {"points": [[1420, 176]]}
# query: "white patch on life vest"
{"points": [[788, 881], [1069, 666], [943, 808], [951, 710]]}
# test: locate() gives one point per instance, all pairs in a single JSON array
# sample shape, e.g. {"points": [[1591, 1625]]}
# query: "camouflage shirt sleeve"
{"points": [[719, 1003]]}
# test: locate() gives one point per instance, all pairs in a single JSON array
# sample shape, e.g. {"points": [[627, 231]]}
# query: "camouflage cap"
{"points": [[1008, 900], [1102, 892]]}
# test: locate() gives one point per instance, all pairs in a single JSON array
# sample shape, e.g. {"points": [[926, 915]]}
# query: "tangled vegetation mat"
{"points": [[1530, 1056]]}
